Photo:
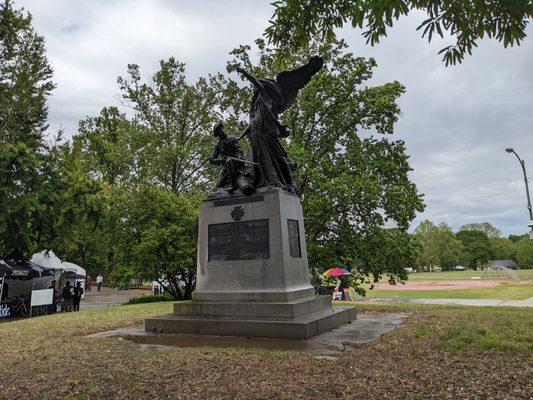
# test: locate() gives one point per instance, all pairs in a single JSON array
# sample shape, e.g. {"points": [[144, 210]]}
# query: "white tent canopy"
{"points": [[68, 266], [48, 259]]}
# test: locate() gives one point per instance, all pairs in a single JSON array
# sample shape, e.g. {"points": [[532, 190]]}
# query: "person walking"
{"points": [[67, 294], [99, 281], [78, 291], [156, 288]]}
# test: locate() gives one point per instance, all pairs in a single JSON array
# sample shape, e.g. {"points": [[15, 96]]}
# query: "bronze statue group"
{"points": [[266, 163]]}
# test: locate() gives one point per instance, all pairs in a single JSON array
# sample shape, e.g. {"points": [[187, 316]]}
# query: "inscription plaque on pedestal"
{"points": [[294, 238], [246, 240]]}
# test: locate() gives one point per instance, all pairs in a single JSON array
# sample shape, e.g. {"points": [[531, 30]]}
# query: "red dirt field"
{"points": [[442, 285]]}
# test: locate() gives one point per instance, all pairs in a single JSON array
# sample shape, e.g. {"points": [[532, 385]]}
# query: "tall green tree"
{"points": [[426, 236], [352, 177], [485, 227], [450, 248], [476, 247], [109, 147], [296, 22], [517, 238], [387, 252], [524, 252], [502, 248], [173, 121], [25, 83], [438, 246], [156, 236], [151, 167], [77, 212]]}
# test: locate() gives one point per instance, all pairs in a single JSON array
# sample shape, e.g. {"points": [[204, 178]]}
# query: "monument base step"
{"points": [[304, 327], [253, 310], [254, 295]]}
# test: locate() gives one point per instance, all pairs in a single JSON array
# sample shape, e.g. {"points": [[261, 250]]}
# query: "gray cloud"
{"points": [[456, 121]]}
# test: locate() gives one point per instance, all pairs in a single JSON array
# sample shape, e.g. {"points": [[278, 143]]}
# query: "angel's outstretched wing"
{"points": [[291, 82]]}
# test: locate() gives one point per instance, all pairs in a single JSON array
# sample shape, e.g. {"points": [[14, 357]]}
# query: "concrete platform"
{"points": [[303, 327], [364, 329]]}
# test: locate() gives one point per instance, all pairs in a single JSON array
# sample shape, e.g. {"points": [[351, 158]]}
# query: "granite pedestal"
{"points": [[252, 274]]}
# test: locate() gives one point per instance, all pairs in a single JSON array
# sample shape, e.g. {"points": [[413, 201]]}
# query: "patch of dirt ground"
{"points": [[442, 285]]}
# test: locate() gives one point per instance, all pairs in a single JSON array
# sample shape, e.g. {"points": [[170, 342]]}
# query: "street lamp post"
{"points": [[523, 165]]}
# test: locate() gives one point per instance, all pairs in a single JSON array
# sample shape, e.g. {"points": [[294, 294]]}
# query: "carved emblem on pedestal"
{"points": [[237, 213]]}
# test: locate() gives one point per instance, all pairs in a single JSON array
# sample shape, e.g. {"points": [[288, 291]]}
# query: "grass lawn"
{"points": [[437, 352], [504, 291]]}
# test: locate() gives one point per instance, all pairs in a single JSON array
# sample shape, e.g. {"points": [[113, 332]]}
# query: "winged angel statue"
{"points": [[267, 163]]}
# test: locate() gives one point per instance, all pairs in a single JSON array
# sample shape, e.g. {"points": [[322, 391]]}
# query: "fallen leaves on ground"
{"points": [[437, 353]]}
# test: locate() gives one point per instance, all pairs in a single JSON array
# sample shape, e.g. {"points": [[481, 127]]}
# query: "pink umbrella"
{"points": [[336, 272]]}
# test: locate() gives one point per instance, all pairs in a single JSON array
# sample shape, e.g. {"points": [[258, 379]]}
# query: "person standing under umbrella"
{"points": [[344, 287]]}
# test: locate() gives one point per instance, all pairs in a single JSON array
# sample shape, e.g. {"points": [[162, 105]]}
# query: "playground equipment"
{"points": [[499, 272]]}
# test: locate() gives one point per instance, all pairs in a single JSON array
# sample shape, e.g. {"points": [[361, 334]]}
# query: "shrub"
{"points": [[150, 299]]}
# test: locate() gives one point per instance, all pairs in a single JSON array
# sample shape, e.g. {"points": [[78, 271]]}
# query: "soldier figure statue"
{"points": [[229, 149]]}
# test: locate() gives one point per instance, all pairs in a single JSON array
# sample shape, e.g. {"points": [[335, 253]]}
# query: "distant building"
{"points": [[503, 263]]}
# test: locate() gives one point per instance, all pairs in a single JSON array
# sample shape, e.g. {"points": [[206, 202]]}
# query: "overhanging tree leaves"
{"points": [[296, 22]]}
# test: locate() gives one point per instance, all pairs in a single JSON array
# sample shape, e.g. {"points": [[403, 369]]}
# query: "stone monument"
{"points": [[252, 271]]}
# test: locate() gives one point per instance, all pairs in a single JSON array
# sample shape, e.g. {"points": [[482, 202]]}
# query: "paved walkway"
{"points": [[477, 302], [108, 297]]}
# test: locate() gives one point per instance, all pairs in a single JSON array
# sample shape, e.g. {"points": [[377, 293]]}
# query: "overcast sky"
{"points": [[456, 121]]}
